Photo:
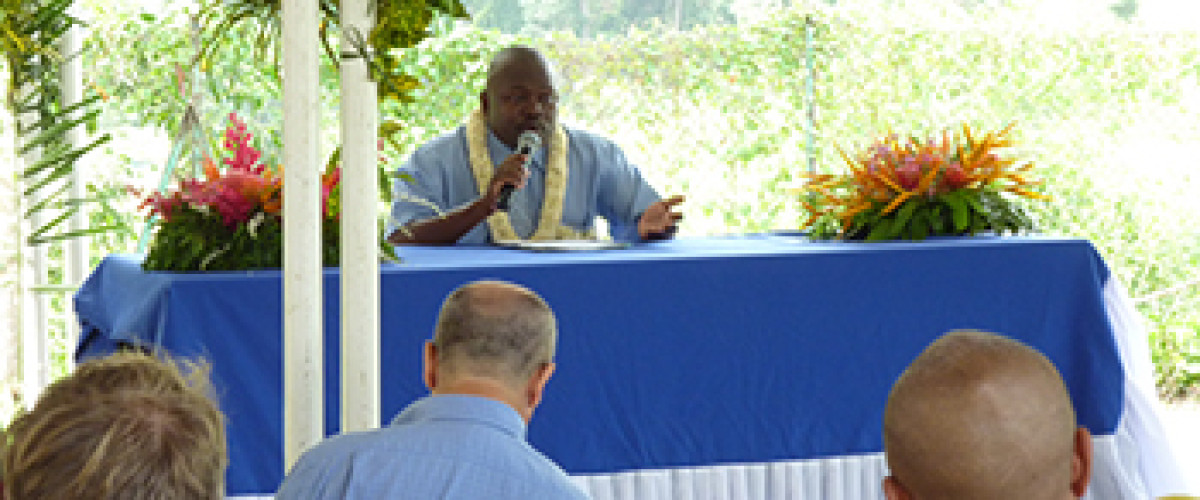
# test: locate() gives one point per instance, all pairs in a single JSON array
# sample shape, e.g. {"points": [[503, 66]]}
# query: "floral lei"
{"points": [[549, 227]]}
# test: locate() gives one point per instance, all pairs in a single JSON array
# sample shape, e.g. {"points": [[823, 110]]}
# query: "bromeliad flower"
{"points": [[235, 194], [330, 185], [237, 141], [953, 184], [231, 217]]}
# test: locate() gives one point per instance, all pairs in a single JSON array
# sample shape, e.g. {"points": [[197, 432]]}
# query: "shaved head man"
{"points": [[981, 416]]}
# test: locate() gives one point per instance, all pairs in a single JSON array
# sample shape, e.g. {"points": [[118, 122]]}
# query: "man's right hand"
{"points": [[448, 228], [512, 172]]}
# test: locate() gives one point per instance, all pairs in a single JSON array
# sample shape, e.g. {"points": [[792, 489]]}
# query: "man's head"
{"points": [[126, 426], [493, 337], [981, 416], [520, 95]]}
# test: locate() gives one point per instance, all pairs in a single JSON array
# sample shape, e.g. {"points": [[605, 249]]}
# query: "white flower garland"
{"points": [[549, 225]]}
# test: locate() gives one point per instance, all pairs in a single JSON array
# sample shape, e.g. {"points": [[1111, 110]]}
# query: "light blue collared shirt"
{"points": [[441, 447], [600, 182]]}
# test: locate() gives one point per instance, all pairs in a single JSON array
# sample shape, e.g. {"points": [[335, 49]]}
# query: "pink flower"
{"points": [[196, 193], [233, 207], [954, 176], [162, 206], [237, 141], [329, 183], [235, 194], [909, 174]]}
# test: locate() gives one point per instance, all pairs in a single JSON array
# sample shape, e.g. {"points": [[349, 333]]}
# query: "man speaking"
{"points": [[554, 191]]}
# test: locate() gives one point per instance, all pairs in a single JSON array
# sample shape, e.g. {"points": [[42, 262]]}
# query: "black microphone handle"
{"points": [[505, 193]]}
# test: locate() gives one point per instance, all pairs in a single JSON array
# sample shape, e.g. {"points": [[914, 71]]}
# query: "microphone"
{"points": [[526, 144]]}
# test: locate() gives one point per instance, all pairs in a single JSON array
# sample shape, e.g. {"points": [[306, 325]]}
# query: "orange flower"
{"points": [[892, 172]]}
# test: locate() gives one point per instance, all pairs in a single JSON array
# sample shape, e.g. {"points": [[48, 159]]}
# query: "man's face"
{"points": [[520, 97]]}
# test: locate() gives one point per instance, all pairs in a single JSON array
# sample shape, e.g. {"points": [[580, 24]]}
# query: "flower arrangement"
{"points": [[231, 219], [911, 189]]}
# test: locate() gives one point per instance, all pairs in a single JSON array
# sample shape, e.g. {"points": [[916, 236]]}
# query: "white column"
{"points": [[35, 357], [360, 232], [75, 261], [303, 367], [10, 223]]}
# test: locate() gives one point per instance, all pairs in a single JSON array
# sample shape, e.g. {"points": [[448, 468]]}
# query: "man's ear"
{"points": [[893, 490], [537, 384], [483, 101], [1081, 462], [430, 372]]}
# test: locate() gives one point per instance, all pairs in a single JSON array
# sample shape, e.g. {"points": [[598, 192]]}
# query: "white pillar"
{"points": [[303, 367], [75, 261], [10, 223], [35, 357], [360, 232]]}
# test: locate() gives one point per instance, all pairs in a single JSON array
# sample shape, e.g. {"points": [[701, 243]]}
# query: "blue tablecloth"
{"points": [[680, 353]]}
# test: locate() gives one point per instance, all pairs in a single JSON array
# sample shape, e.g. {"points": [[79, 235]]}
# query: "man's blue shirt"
{"points": [[600, 182], [440, 447]]}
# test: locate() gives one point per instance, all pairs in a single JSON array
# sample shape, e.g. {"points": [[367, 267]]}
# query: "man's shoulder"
{"points": [[341, 446], [592, 148], [581, 136], [455, 136], [324, 470], [550, 478], [450, 143]]}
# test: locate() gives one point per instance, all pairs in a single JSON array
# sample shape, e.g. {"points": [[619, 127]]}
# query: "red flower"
{"points": [[237, 141], [954, 176], [909, 174]]}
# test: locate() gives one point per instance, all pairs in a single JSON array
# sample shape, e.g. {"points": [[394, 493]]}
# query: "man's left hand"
{"points": [[660, 220]]}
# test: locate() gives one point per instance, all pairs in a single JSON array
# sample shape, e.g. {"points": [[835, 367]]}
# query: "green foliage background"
{"points": [[719, 113]]}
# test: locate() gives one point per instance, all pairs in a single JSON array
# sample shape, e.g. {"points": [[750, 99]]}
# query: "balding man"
{"points": [[487, 365], [980, 416], [450, 186]]}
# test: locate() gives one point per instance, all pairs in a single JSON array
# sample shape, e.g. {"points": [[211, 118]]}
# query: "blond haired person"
{"points": [[129, 426], [980, 416]]}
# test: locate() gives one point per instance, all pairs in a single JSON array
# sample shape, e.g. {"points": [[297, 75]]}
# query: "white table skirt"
{"points": [[1135, 463], [1142, 415], [858, 477]]}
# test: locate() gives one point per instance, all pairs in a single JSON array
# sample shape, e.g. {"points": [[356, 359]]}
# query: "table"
{"points": [[753, 365]]}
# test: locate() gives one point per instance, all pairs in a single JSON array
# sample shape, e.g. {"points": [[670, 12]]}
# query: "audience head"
{"points": [[520, 95], [494, 334], [128, 426], [981, 416]]}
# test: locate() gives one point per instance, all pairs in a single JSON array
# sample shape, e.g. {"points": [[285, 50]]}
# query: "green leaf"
{"points": [[60, 154], [906, 211], [52, 200], [937, 223], [70, 235], [882, 231], [960, 214], [45, 17], [920, 227]]}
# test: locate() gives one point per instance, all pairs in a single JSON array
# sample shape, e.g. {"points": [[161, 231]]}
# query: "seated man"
{"points": [[489, 361], [457, 179], [980, 416], [128, 426]]}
